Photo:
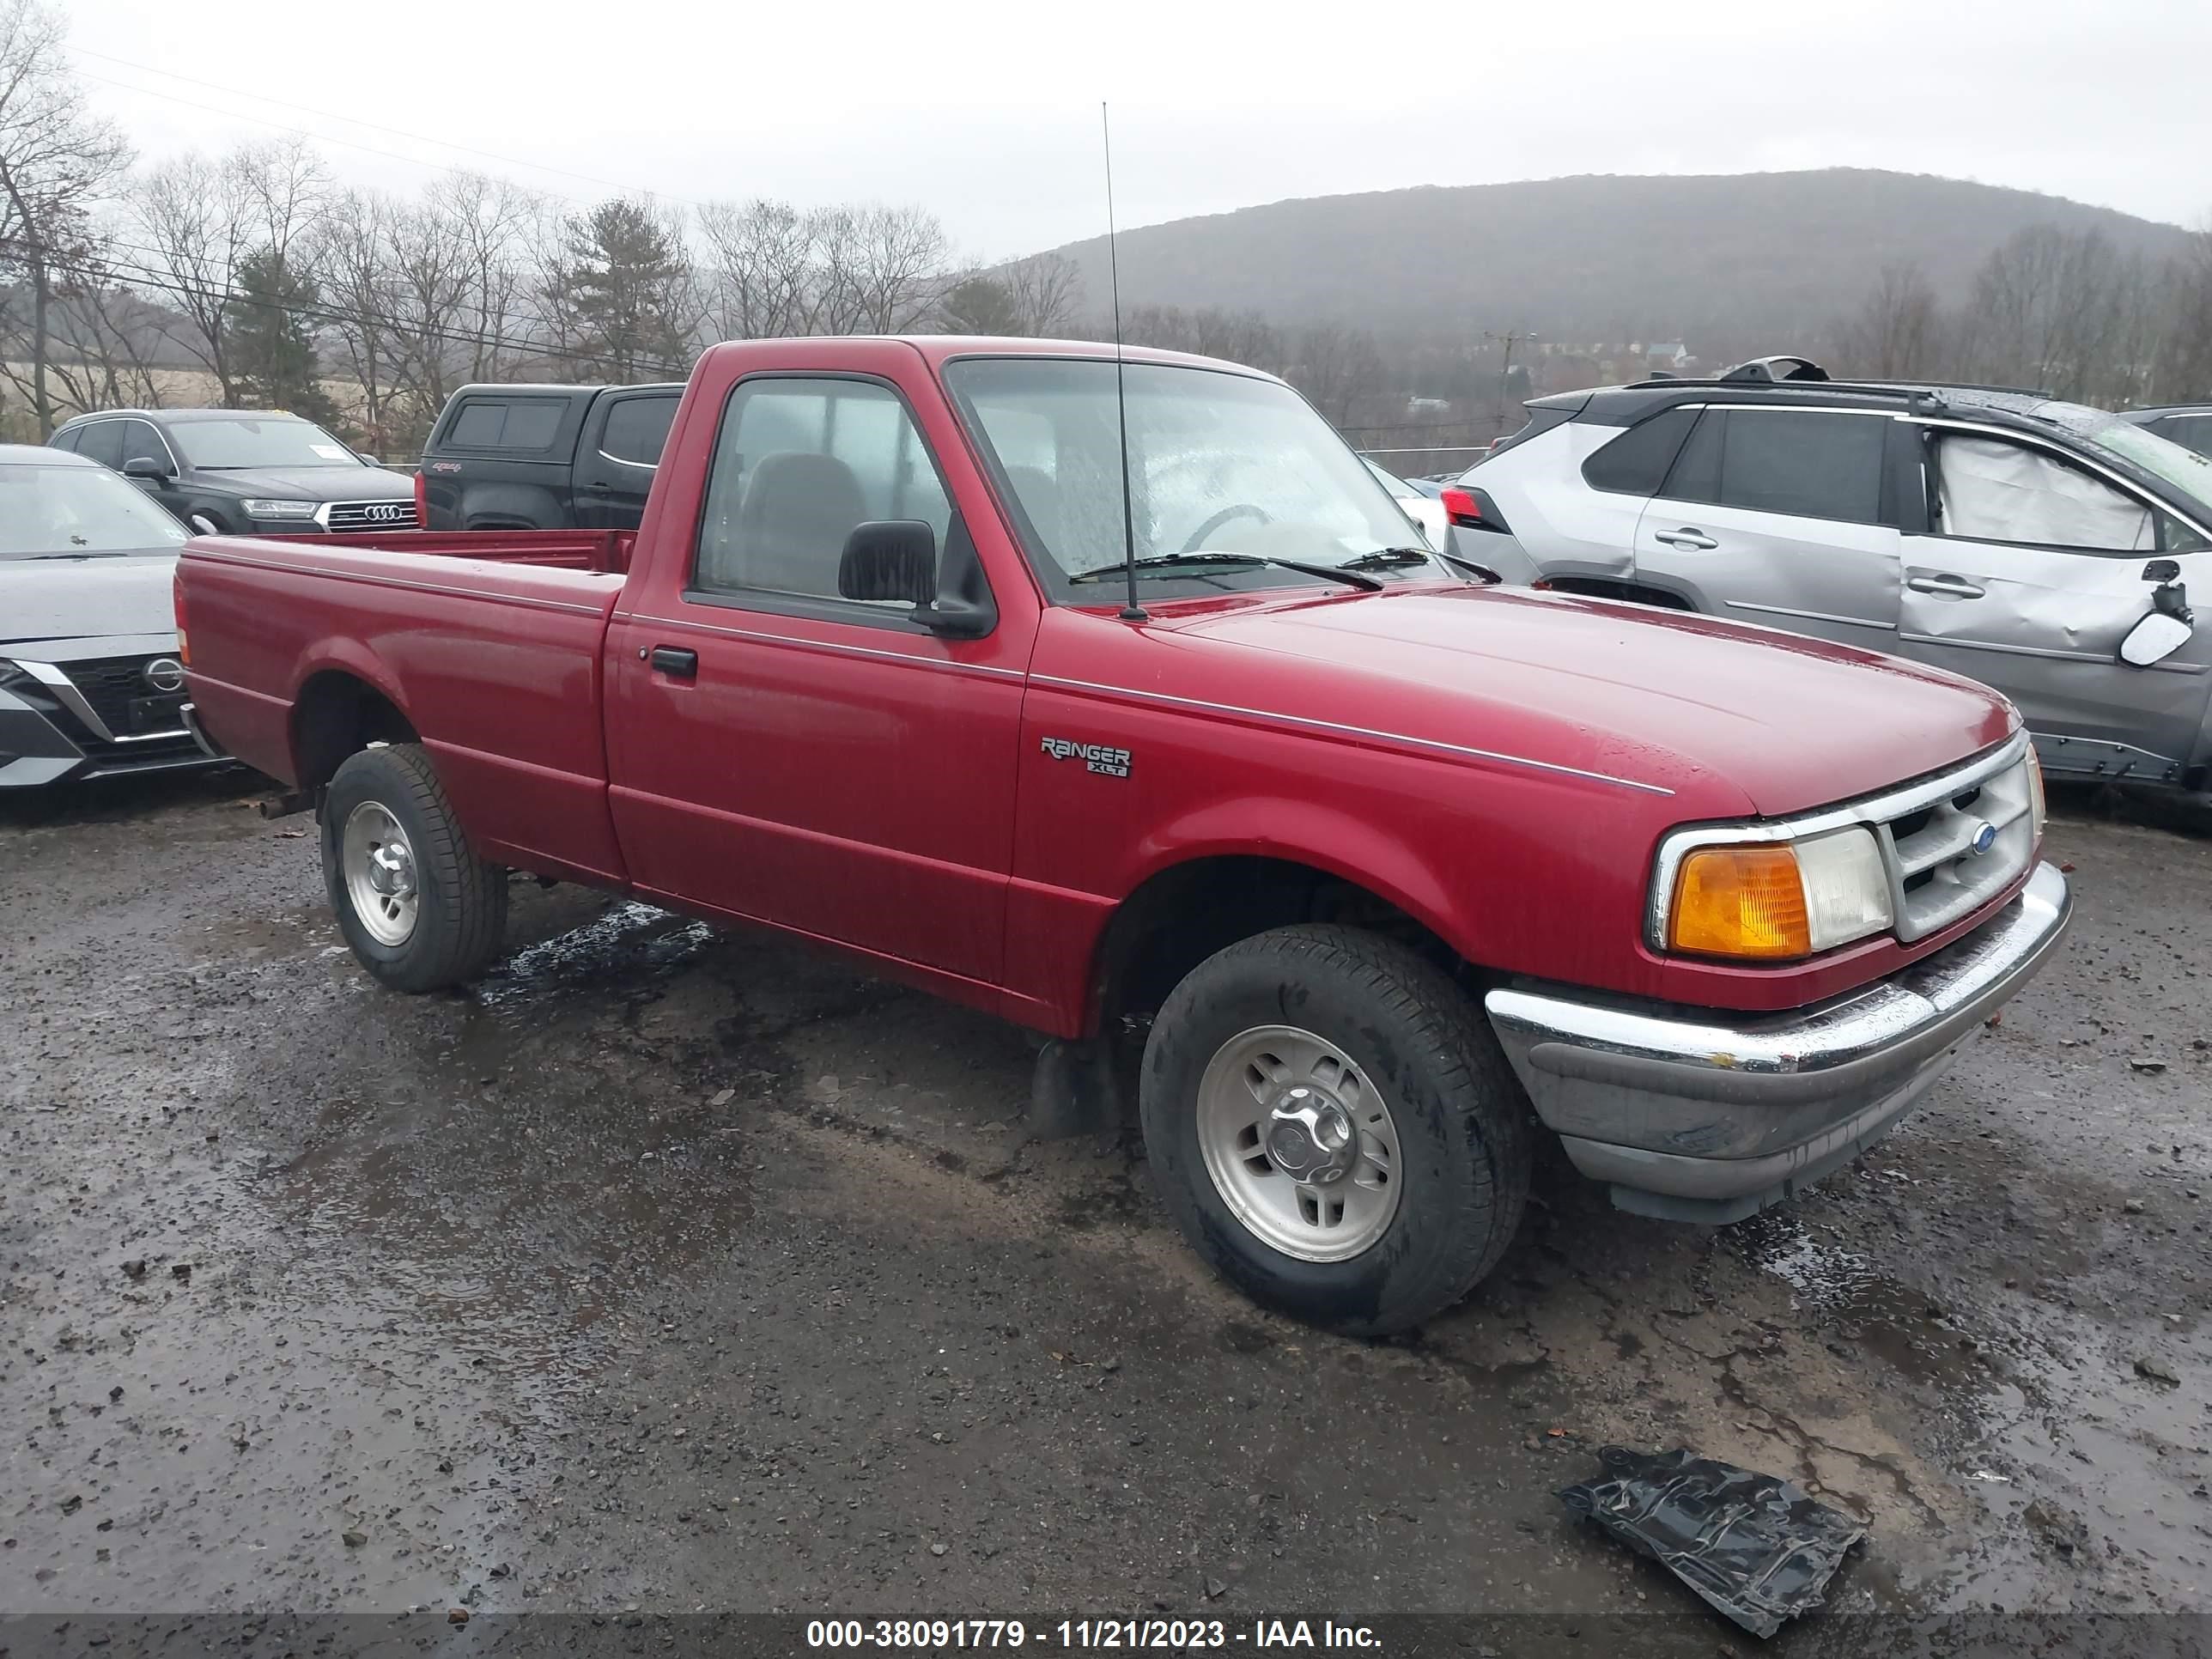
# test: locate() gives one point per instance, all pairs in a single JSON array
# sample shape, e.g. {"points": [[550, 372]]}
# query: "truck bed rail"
{"points": [[606, 551]]}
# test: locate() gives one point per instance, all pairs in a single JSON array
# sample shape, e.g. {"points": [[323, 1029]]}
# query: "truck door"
{"points": [[1775, 515], [784, 754], [615, 460], [2032, 569]]}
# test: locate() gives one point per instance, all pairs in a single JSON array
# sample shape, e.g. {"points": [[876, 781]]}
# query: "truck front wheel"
{"points": [[420, 909], [1335, 1128]]}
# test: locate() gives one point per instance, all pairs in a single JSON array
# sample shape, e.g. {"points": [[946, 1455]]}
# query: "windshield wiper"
{"points": [[1481, 572], [1165, 560], [1389, 558]]}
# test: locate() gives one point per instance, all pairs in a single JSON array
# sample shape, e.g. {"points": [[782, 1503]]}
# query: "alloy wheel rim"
{"points": [[379, 864], [1299, 1143]]}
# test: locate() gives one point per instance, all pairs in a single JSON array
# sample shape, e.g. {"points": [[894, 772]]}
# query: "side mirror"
{"points": [[2155, 639], [146, 469], [890, 559]]}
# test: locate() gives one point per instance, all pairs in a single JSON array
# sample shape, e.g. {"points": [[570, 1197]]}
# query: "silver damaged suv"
{"points": [[2045, 548]]}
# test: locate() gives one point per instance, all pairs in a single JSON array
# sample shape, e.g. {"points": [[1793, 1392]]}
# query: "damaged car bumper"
{"points": [[1712, 1118]]}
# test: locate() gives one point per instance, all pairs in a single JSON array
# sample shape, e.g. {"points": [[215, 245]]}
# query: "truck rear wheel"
{"points": [[420, 909], [1335, 1128]]}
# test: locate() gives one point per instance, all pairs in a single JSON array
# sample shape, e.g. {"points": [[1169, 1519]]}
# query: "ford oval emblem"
{"points": [[1985, 836]]}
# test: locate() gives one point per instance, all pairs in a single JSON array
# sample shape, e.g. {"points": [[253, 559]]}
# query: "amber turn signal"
{"points": [[1740, 901]]}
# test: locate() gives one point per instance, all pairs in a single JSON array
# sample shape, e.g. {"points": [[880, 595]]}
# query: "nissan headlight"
{"points": [[279, 510], [1775, 900]]}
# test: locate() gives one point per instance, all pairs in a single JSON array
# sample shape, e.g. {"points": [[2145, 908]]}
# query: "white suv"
{"points": [[2009, 537]]}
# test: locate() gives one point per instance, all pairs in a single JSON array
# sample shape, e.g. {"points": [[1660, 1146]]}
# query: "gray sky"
{"points": [[987, 114]]}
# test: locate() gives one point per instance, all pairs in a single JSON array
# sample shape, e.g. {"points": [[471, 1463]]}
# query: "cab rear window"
{"points": [[507, 423]]}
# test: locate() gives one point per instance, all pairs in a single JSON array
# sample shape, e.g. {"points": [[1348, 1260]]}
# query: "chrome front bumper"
{"points": [[1711, 1117]]}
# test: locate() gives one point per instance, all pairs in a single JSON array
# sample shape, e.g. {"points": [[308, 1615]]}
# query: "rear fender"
{"points": [[351, 658]]}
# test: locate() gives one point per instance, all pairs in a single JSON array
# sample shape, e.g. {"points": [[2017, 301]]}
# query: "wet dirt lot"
{"points": [[675, 1270]]}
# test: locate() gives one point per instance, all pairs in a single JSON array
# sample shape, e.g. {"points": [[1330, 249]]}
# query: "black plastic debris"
{"points": [[1754, 1547]]}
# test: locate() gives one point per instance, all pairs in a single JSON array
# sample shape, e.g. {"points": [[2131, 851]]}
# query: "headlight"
{"points": [[279, 510], [1774, 901]]}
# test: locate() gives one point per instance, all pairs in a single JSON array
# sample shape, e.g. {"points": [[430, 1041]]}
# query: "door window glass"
{"points": [[797, 465], [637, 429], [103, 443], [67, 440], [1805, 463], [1994, 490], [142, 443]]}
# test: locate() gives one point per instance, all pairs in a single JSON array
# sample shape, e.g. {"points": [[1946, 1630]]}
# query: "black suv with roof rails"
{"points": [[2041, 547]]}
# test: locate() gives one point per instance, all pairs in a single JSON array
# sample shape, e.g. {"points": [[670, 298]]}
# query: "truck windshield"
{"points": [[1219, 464], [78, 512], [244, 442]]}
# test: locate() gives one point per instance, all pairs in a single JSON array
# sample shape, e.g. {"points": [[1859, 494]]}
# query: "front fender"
{"points": [[1361, 851]]}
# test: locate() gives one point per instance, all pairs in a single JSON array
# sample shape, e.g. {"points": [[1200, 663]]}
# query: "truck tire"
{"points": [[420, 909], [1337, 1056]]}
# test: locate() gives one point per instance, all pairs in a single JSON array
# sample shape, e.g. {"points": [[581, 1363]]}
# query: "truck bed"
{"points": [[487, 644]]}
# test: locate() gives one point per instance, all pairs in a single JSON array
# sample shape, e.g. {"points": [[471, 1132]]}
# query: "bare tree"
{"points": [[198, 219], [2042, 311], [1241, 337], [1896, 332], [758, 256], [190, 217], [352, 266], [899, 255], [1336, 367], [57, 159], [1046, 290], [489, 224], [773, 271], [2185, 359]]}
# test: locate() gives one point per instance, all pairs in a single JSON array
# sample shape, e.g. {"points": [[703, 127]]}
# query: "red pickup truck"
{"points": [[1391, 866]]}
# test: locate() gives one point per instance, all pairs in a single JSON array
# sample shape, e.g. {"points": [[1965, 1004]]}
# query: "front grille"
{"points": [[1937, 874], [116, 691], [368, 515]]}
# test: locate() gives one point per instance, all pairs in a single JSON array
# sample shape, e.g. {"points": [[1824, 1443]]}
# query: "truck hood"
{"points": [[102, 597], [314, 483], [1677, 701]]}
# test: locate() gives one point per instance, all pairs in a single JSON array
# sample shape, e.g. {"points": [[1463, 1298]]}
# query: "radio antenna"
{"points": [[1131, 611]]}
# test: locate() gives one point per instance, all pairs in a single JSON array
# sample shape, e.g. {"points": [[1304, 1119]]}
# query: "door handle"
{"points": [[1686, 536], [600, 487], [1955, 587], [676, 662]]}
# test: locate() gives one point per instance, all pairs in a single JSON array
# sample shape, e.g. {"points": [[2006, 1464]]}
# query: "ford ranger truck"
{"points": [[1393, 870]]}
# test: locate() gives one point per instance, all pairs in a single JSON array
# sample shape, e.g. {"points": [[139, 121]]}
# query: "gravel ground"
{"points": [[673, 1270]]}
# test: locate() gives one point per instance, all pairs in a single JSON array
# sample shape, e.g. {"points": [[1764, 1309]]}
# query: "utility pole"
{"points": [[1509, 339]]}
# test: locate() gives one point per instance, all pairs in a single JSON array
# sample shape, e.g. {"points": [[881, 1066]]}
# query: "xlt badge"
{"points": [[1106, 761]]}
